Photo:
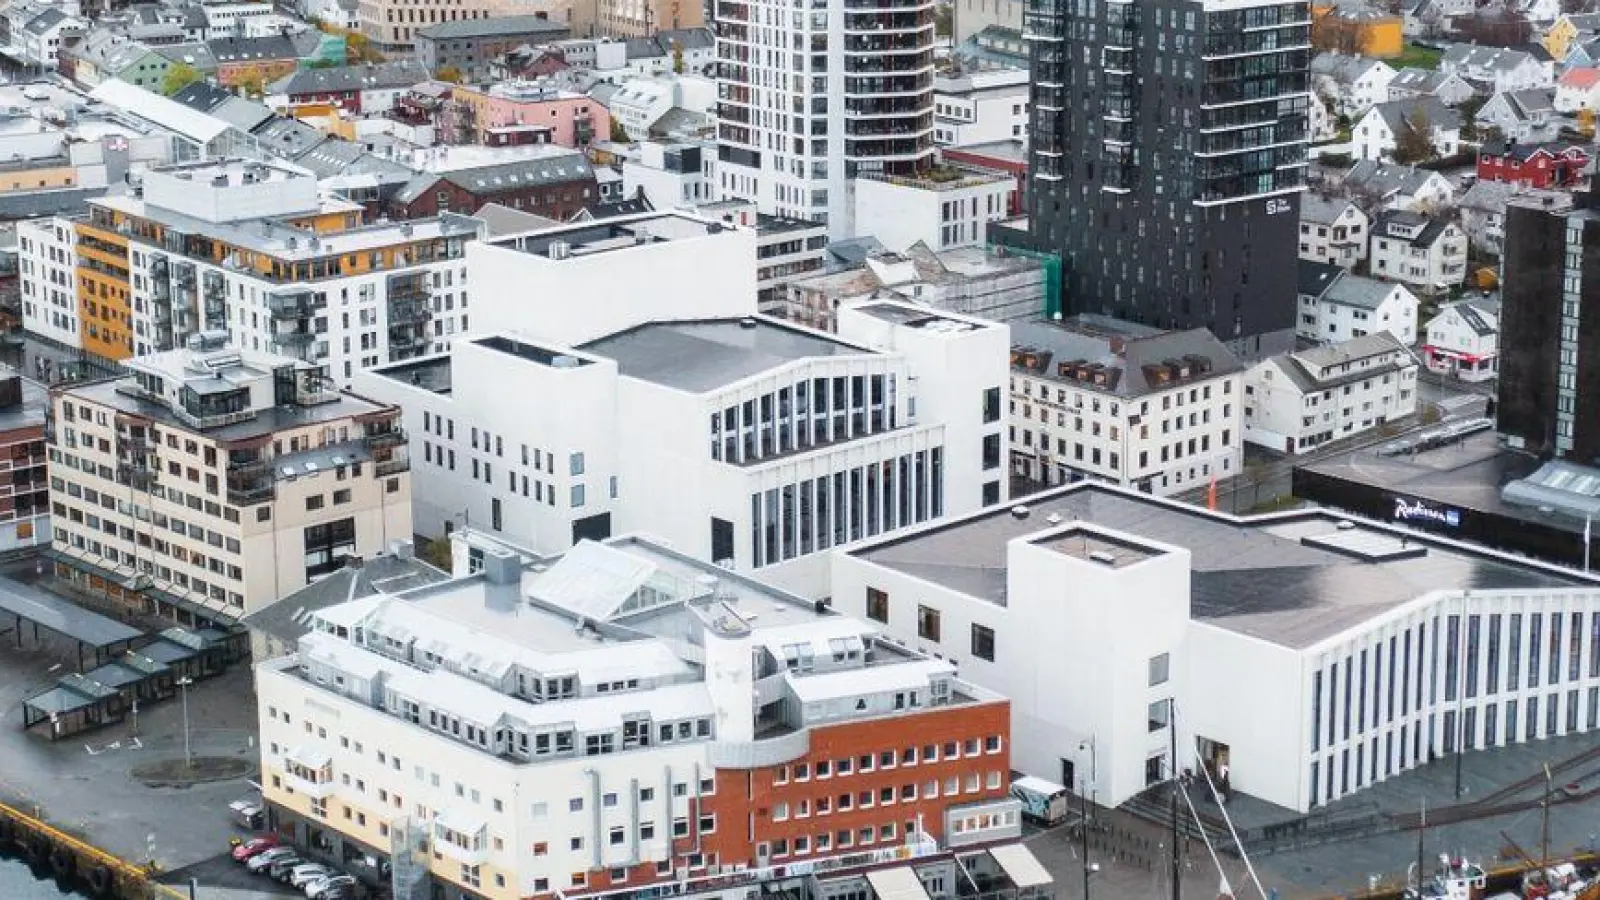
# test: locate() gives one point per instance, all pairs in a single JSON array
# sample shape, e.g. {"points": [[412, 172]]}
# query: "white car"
{"points": [[324, 887], [305, 874], [262, 861]]}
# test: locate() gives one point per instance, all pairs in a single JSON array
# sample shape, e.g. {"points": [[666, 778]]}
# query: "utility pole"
{"points": [[1084, 831], [1461, 689], [1172, 763], [1544, 829]]}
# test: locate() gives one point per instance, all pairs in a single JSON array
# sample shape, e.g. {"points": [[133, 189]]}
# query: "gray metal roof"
{"points": [[701, 356], [62, 617], [1320, 210], [1316, 276], [1126, 375], [287, 620], [1397, 114], [1265, 576], [1359, 291], [498, 26], [404, 73]]}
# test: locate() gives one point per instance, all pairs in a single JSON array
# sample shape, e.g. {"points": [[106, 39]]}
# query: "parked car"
{"points": [[309, 872], [326, 888], [281, 868], [250, 848], [264, 860]]}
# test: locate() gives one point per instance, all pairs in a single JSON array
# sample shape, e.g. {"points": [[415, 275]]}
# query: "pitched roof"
{"points": [[521, 173], [1302, 367], [1315, 277], [1359, 291], [1385, 179], [1052, 343], [1580, 78], [1320, 210], [1421, 81], [500, 26], [1529, 103], [1397, 114], [405, 73], [1433, 227], [202, 96], [1343, 67], [274, 46], [1474, 56], [1482, 314]]}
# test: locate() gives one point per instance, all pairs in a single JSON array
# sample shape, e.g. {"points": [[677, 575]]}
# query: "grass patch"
{"points": [[1414, 56]]}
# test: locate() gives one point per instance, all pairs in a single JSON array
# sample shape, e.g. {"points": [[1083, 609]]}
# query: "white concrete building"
{"points": [[1351, 306], [1332, 230], [1389, 186], [46, 277], [671, 174], [1464, 340], [980, 107], [240, 477], [1296, 401], [1155, 411], [1375, 135], [537, 759], [239, 254], [945, 210], [1427, 253], [808, 104], [813, 440], [1336, 684], [973, 281]]}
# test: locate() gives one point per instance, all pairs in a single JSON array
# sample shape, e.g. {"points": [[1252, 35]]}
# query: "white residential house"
{"points": [[1352, 306], [1332, 230], [1354, 83], [1376, 134], [1527, 116], [1324, 124], [1497, 69], [1399, 187], [1429, 18], [1451, 90], [1483, 210], [1152, 410], [980, 107], [1464, 339], [1578, 89], [1538, 11], [1295, 402], [1429, 254]]}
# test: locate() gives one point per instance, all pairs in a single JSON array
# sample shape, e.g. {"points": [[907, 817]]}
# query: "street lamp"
{"points": [[183, 691]]}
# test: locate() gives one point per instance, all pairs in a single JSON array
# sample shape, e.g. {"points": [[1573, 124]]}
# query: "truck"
{"points": [[1043, 802]]}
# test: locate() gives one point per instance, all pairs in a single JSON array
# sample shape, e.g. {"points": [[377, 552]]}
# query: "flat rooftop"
{"points": [[605, 237], [1094, 546], [700, 356], [920, 318], [231, 172], [269, 420], [1293, 579], [533, 353], [1469, 473]]}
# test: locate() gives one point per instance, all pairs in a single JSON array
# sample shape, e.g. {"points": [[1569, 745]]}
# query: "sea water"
{"points": [[19, 882]]}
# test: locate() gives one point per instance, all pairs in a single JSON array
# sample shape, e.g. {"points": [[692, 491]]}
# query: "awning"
{"points": [[898, 883], [1019, 864], [68, 619]]}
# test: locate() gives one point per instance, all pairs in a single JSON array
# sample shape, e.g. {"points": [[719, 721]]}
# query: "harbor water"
{"points": [[18, 882]]}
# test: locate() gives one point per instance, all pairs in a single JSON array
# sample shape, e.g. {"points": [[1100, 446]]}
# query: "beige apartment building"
{"points": [[211, 481], [633, 18], [392, 25]]}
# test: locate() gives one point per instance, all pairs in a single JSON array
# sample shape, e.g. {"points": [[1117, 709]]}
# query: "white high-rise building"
{"points": [[811, 99]]}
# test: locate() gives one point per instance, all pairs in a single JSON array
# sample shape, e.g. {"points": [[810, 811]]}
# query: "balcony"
{"points": [[385, 437], [251, 492], [409, 311], [290, 305], [138, 477], [389, 467]]}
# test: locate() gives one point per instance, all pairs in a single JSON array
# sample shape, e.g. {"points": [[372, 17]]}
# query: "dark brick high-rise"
{"points": [[1168, 152]]}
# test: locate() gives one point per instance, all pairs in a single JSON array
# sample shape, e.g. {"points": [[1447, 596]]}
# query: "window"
{"points": [[1158, 668], [991, 405], [341, 496], [983, 642], [927, 623], [314, 502], [1158, 715], [576, 463], [877, 605]]}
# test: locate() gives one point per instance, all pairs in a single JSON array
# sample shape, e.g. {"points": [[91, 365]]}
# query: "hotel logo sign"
{"points": [[1417, 511]]}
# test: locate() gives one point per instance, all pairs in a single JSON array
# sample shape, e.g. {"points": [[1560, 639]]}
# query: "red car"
{"points": [[250, 848]]}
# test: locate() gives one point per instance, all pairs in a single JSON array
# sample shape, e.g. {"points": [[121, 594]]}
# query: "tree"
{"points": [[251, 85], [178, 77], [1469, 120], [360, 50], [1413, 140], [1333, 33], [944, 20], [677, 57], [619, 134], [450, 74]]}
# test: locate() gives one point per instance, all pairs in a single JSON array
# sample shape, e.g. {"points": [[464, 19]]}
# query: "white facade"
{"points": [[671, 175], [1354, 306], [793, 138], [1374, 135], [1354, 83], [1578, 89], [1296, 401], [1464, 340], [1092, 631], [980, 107], [1499, 68], [1427, 254], [538, 760], [296, 298], [1333, 231], [1160, 431], [944, 215], [46, 262]]}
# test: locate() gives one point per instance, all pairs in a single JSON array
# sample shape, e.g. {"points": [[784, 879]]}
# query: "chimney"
{"points": [[501, 566]]}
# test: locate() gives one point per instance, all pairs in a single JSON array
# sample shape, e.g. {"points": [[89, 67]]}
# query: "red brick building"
{"points": [[1532, 165], [556, 187]]}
